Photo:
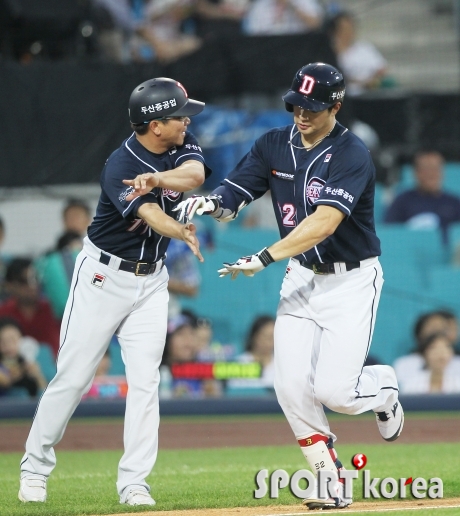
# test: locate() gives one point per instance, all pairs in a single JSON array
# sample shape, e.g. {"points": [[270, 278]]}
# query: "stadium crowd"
{"points": [[164, 31], [34, 292]]}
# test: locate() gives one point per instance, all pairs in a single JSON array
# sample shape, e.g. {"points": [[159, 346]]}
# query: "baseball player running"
{"points": [[120, 286], [322, 182]]}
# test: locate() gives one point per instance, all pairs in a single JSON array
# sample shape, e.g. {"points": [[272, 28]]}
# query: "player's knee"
{"points": [[338, 398], [79, 384], [287, 395]]}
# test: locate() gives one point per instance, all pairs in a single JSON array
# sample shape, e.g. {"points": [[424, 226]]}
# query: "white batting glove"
{"points": [[248, 265], [196, 204]]}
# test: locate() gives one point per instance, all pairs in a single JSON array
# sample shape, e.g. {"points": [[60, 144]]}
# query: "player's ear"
{"points": [[336, 108], [154, 126]]}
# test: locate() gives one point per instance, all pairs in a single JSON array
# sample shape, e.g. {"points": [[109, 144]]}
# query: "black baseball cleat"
{"points": [[391, 422]]}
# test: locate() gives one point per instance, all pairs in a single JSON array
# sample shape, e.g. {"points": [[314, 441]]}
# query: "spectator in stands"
{"points": [[55, 270], [427, 205], [439, 374], [17, 372], [431, 323], [124, 34], [276, 17], [217, 18], [259, 348], [181, 348], [76, 217], [184, 276], [26, 306], [208, 349], [165, 19], [105, 364], [4, 260], [362, 65]]}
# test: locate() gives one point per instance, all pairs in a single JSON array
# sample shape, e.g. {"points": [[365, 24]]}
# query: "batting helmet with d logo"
{"points": [[316, 87]]}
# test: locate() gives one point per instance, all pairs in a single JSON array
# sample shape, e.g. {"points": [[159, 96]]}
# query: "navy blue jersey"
{"points": [[337, 172], [116, 228]]}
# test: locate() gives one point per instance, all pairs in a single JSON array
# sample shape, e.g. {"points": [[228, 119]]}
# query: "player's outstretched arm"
{"points": [[188, 176], [165, 225], [310, 232], [222, 204]]}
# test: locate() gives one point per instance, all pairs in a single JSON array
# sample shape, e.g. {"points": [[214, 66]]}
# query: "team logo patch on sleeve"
{"points": [[313, 189], [98, 280], [327, 158], [171, 194]]}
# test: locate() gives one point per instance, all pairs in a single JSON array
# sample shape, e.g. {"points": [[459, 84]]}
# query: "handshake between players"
{"points": [[201, 205]]}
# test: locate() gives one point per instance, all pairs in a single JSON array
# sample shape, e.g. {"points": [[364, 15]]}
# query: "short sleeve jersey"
{"points": [[116, 227], [337, 172]]}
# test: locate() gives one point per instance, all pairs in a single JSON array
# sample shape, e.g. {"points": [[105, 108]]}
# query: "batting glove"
{"points": [[196, 204], [248, 265]]}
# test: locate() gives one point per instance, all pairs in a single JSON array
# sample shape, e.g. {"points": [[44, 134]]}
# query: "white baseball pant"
{"points": [[133, 307], [323, 332]]}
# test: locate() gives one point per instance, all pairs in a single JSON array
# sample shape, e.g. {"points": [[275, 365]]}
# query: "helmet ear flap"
{"points": [[289, 107]]}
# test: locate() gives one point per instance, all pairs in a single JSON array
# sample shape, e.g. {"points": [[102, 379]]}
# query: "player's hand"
{"points": [[196, 204], [248, 265], [190, 238], [142, 184]]}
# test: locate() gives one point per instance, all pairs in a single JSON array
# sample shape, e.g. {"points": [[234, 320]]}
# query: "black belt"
{"points": [[138, 268], [328, 268]]}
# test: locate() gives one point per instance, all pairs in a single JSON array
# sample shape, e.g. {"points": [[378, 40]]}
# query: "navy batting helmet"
{"points": [[316, 87], [159, 98]]}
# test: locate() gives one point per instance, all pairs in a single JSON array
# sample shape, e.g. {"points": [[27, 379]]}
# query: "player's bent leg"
{"points": [[376, 389], [319, 451]]}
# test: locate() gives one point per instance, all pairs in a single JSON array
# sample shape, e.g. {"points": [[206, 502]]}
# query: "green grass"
{"points": [[84, 482]]}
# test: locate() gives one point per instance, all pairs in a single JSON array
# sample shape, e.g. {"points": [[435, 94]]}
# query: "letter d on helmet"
{"points": [[316, 87]]}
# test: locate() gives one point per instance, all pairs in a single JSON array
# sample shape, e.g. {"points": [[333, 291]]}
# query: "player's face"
{"points": [[313, 125], [173, 130]]}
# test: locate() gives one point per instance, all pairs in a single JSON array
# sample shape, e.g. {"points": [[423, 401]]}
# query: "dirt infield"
{"points": [[290, 510], [215, 434]]}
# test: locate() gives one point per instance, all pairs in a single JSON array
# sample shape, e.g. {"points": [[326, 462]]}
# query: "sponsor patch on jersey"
{"points": [[172, 150], [327, 158], [283, 175], [171, 194], [313, 189], [98, 280]]}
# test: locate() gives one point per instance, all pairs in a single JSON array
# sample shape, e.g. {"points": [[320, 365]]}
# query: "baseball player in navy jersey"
{"points": [[321, 179], [119, 287]]}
